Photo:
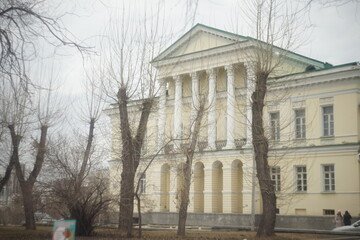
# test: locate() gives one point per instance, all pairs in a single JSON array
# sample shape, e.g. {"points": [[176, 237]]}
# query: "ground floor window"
{"points": [[329, 178], [301, 179], [275, 178], [328, 211]]}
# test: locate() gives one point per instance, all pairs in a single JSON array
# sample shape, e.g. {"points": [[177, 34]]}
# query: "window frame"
{"points": [[303, 180], [274, 126], [276, 178], [328, 212], [331, 183], [328, 125], [142, 183], [301, 126]]}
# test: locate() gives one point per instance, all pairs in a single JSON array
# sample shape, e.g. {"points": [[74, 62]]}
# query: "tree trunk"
{"points": [[261, 148], [185, 191], [28, 207], [15, 141], [27, 185], [184, 199], [84, 222], [126, 201], [139, 212], [130, 156]]}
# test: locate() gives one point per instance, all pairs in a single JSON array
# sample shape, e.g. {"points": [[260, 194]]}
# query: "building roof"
{"points": [[326, 67], [218, 39]]}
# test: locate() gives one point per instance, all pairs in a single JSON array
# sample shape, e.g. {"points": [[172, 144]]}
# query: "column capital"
{"points": [[178, 77], [195, 75], [230, 69], [211, 71], [250, 64]]}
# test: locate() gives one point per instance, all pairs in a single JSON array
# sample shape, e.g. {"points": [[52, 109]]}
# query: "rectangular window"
{"points": [[275, 178], [328, 121], [329, 178], [300, 124], [142, 188], [275, 126], [328, 211], [301, 181]]}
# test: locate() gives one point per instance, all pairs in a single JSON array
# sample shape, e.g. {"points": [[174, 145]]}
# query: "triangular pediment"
{"points": [[199, 38]]}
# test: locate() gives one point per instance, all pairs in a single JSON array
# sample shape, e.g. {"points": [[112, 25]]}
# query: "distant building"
{"points": [[312, 115], [11, 188]]}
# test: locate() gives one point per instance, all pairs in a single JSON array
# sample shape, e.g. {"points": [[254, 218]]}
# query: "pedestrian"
{"points": [[347, 218], [338, 219]]}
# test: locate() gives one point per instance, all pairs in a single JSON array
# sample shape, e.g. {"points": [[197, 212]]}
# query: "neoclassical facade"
{"points": [[312, 118]]}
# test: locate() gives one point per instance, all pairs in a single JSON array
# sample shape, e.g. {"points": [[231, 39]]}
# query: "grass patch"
{"points": [[45, 233]]}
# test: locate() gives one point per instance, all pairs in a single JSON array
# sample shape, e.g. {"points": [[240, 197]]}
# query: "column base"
{"points": [[230, 146], [210, 148], [248, 145]]}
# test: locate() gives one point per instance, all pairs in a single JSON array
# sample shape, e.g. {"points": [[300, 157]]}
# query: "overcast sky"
{"points": [[334, 36]]}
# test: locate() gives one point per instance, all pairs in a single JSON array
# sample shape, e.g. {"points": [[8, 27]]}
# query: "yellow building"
{"points": [[312, 115]]}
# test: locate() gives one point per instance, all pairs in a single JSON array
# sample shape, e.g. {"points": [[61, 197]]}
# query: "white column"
{"points": [[230, 108], [177, 111], [250, 87], [195, 98], [162, 115], [212, 109]]}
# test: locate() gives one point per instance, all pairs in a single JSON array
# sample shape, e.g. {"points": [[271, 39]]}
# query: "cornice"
{"points": [[315, 78], [247, 152]]}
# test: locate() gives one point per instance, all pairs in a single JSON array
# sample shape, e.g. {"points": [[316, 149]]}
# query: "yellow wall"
{"points": [[220, 178]]}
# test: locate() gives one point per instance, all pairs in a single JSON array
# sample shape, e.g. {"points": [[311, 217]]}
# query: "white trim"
{"points": [[316, 150], [326, 100], [191, 34], [311, 78]]}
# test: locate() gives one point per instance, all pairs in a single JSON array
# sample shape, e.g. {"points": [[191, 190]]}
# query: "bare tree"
{"points": [[25, 114], [131, 48], [76, 191], [73, 159], [186, 169], [23, 25], [274, 23], [138, 184]]}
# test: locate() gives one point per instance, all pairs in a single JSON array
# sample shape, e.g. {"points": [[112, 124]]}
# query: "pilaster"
{"points": [[208, 204], [226, 193]]}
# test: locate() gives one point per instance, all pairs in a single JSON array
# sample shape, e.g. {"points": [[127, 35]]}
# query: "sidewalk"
{"points": [[292, 230]]}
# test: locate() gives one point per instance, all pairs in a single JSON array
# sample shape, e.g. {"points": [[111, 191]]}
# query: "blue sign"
{"points": [[64, 230]]}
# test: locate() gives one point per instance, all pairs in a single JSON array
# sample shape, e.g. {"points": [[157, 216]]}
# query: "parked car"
{"points": [[43, 218], [355, 227]]}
